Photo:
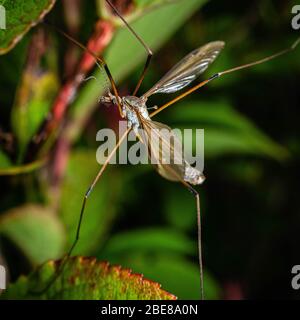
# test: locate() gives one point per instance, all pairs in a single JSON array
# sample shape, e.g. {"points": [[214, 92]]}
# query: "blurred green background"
{"points": [[135, 218]]}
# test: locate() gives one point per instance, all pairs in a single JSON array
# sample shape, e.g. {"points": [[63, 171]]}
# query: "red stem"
{"points": [[97, 43]]}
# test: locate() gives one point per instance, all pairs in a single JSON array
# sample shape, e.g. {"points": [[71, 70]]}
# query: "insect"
{"points": [[134, 110]]}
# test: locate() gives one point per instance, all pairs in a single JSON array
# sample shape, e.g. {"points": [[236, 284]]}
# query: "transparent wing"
{"points": [[166, 149], [187, 69]]}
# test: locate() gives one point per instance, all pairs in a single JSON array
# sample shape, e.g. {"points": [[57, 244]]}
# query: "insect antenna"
{"points": [[103, 81]]}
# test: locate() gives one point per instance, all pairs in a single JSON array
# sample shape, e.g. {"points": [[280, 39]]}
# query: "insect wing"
{"points": [[165, 150], [188, 69]]}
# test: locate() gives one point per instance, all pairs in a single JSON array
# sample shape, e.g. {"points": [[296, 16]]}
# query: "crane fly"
{"points": [[135, 111]]}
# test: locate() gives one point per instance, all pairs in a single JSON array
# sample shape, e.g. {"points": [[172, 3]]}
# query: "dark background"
{"points": [[249, 202]]}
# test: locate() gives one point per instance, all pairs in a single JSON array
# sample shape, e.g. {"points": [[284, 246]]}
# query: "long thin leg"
{"points": [[199, 233], [178, 177], [101, 61], [201, 84], [90, 189], [149, 52], [219, 74], [146, 66], [86, 196]]}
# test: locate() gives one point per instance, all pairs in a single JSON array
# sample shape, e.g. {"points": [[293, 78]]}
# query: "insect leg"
{"points": [[101, 61], [201, 84], [142, 42], [219, 74], [86, 196], [174, 172], [199, 232]]}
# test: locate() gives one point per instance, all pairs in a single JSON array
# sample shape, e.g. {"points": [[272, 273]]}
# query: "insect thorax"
{"points": [[133, 108]]}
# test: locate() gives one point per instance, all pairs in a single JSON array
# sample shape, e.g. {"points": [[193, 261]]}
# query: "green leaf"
{"points": [[86, 278], [174, 272], [125, 53], [143, 3], [225, 130], [35, 230], [149, 3], [101, 206], [33, 101], [159, 254], [20, 17]]}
